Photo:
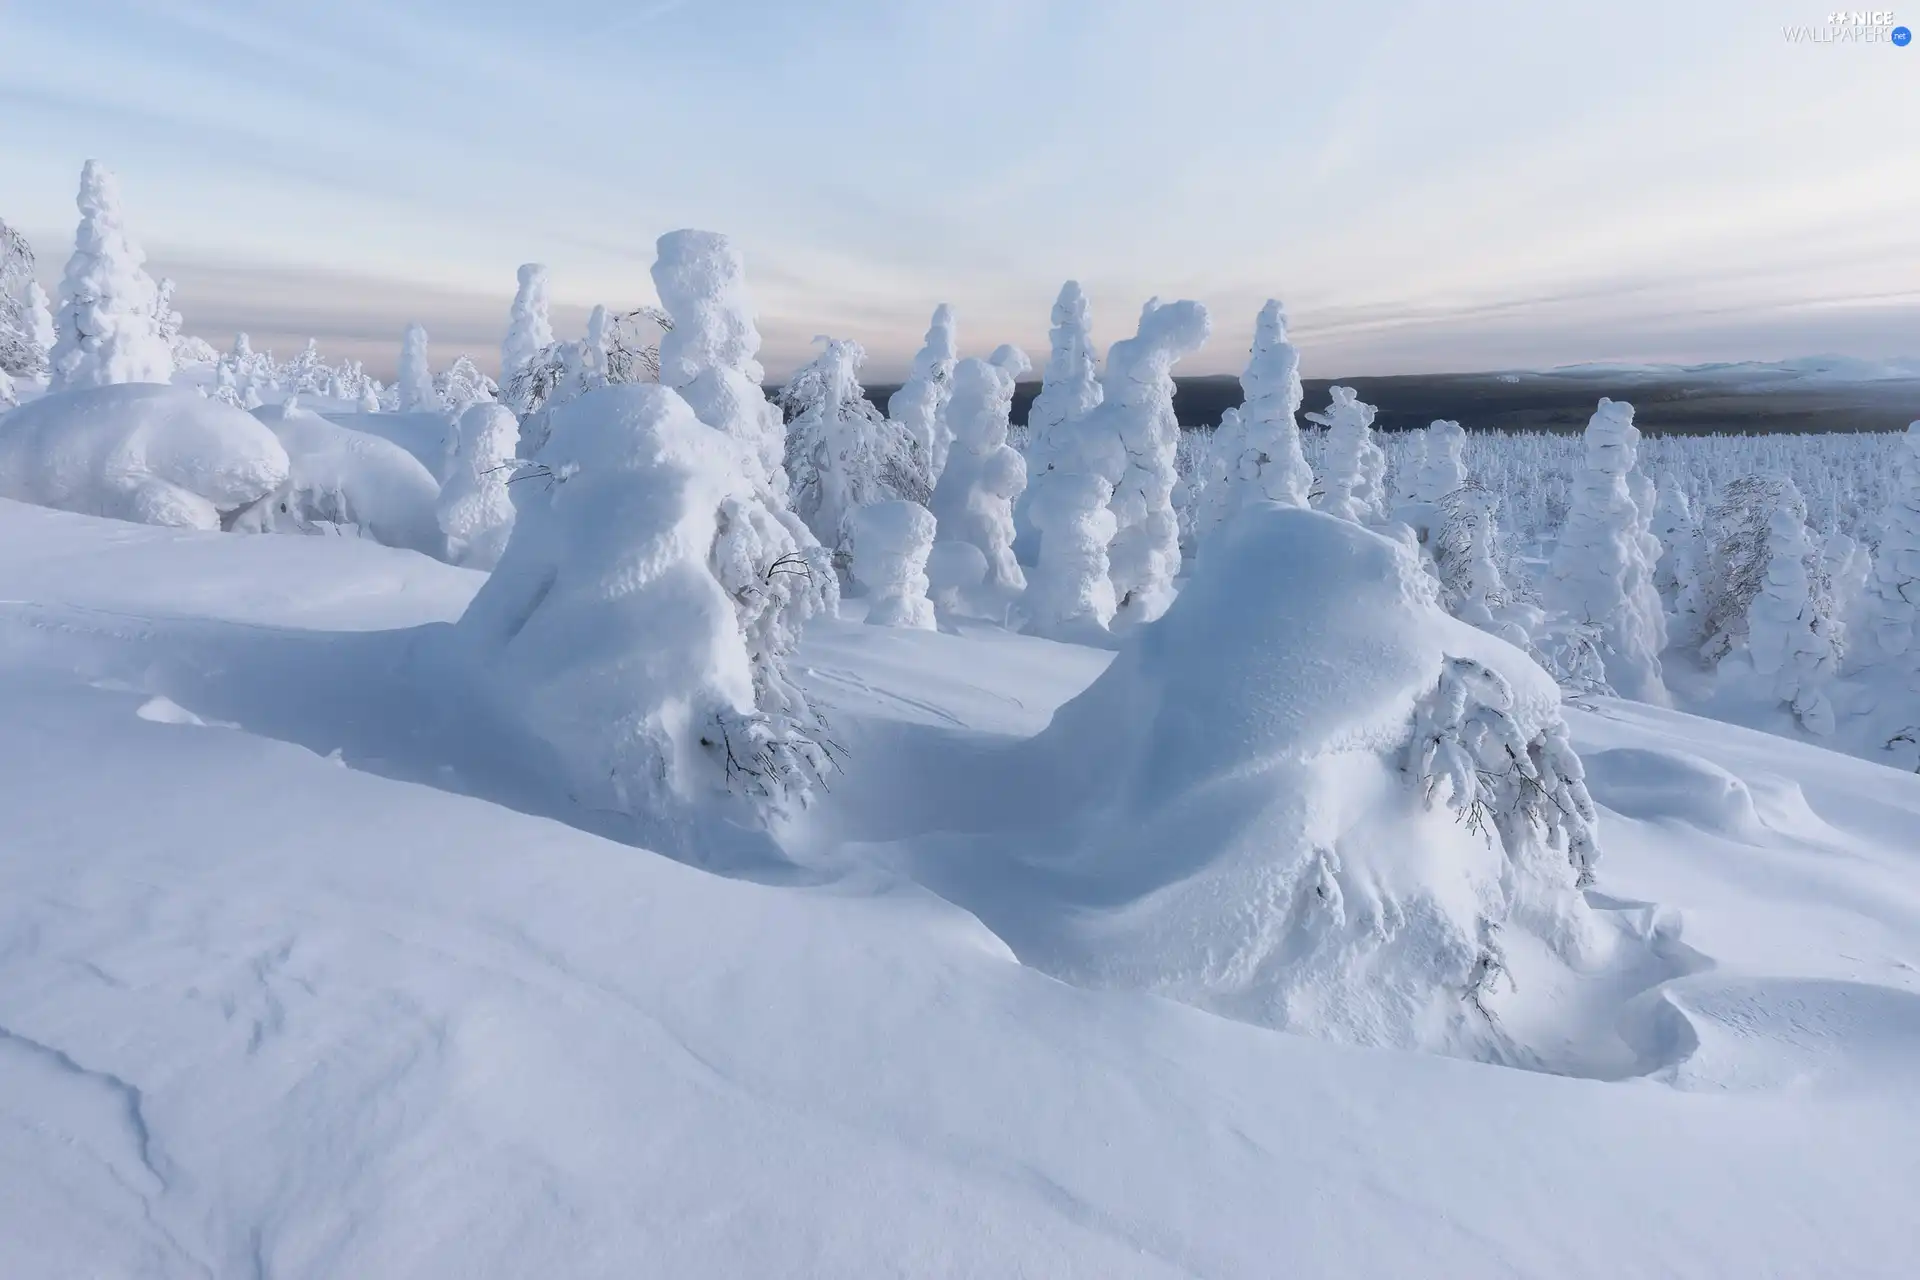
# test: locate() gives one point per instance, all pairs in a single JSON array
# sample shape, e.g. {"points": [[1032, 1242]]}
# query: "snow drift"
{"points": [[1319, 802], [139, 451], [348, 481]]}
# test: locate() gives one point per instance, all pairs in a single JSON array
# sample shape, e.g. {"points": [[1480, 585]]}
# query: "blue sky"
{"points": [[1428, 186]]}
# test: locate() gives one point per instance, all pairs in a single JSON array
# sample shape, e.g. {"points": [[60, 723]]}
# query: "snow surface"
{"points": [[336, 993]]}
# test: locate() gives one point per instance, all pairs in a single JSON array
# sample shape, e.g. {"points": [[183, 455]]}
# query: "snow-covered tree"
{"points": [[1070, 592], [1677, 575], [476, 508], [23, 352], [1352, 467], [891, 542], [1600, 567], [1069, 387], [168, 320], [1443, 465], [1892, 606], [1137, 409], [922, 398], [611, 623], [416, 374], [842, 452], [463, 385], [1070, 384], [973, 500], [108, 331], [1271, 466], [1789, 626], [529, 330], [710, 355], [1737, 556], [776, 571]]}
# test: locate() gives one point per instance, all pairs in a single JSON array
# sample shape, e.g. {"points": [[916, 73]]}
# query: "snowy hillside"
{"points": [[268, 1010]]}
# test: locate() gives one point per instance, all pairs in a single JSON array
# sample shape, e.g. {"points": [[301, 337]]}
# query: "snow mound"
{"points": [[139, 451], [346, 480], [1323, 804]]}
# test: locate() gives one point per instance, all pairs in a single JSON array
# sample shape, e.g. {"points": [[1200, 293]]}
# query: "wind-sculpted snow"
{"points": [[1259, 826], [139, 451], [341, 480]]}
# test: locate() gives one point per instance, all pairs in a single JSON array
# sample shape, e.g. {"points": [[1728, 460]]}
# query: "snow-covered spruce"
{"points": [[1443, 466], [1270, 466], [1892, 606], [842, 452], [1677, 575], [974, 498], [142, 452], [415, 382], [1069, 387], [529, 331], [609, 627], [891, 544], [475, 510], [1602, 574], [344, 481], [23, 354], [108, 330], [1136, 410], [1789, 633], [711, 354], [1353, 467], [919, 404], [1737, 556], [1312, 800]]}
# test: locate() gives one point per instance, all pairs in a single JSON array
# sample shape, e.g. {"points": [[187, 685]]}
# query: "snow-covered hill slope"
{"points": [[287, 990]]}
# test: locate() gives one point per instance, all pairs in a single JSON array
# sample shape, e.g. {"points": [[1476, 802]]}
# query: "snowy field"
{"points": [[278, 998], [605, 821]]}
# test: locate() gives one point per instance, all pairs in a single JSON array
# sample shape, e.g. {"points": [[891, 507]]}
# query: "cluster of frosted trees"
{"points": [[1794, 559]]}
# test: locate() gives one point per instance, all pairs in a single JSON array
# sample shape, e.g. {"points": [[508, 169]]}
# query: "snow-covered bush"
{"points": [[1789, 624], [842, 452], [139, 451], [974, 498], [921, 400], [529, 332], [475, 510], [1136, 410], [1353, 471], [609, 627], [345, 481], [891, 544], [415, 382], [1312, 800], [108, 329], [1602, 573], [1069, 388]]}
